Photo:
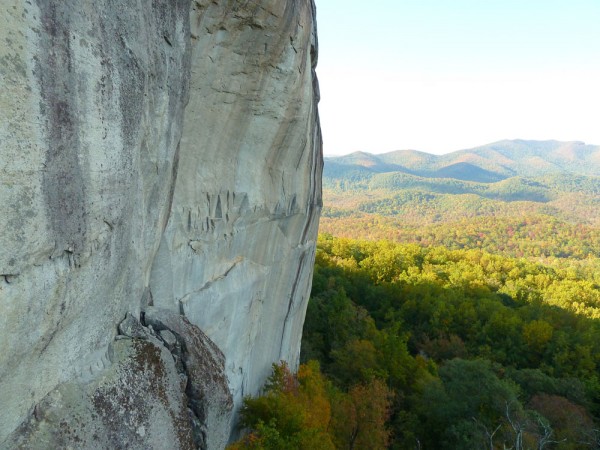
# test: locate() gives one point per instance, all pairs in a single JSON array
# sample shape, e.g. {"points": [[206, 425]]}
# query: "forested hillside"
{"points": [[455, 305], [442, 349], [529, 330], [505, 199]]}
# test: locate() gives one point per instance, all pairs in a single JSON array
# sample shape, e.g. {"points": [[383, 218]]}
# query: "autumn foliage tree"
{"points": [[293, 413], [305, 411]]}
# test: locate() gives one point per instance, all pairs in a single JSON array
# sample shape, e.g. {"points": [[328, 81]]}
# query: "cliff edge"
{"points": [[161, 182]]}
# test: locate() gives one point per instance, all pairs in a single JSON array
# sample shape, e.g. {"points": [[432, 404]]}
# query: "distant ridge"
{"points": [[467, 172], [487, 163]]}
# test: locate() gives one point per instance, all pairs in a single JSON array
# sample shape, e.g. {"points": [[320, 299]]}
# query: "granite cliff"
{"points": [[161, 187]]}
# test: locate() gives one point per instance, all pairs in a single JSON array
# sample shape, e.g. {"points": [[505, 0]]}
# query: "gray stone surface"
{"points": [[118, 194], [238, 250], [149, 392], [91, 105]]}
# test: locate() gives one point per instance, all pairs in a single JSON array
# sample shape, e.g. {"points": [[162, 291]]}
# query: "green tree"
{"points": [[466, 400]]}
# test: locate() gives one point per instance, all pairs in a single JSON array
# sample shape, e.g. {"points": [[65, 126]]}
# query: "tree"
{"points": [[465, 405], [570, 422], [359, 420], [294, 413]]}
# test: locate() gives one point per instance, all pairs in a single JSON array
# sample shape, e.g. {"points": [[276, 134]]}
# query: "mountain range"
{"points": [[488, 163], [535, 171], [407, 195]]}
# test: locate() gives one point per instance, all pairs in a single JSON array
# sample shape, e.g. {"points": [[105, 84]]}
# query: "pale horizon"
{"points": [[483, 144], [439, 77]]}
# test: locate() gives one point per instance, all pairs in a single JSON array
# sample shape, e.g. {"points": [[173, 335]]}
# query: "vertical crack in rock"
{"points": [[290, 305], [174, 172]]}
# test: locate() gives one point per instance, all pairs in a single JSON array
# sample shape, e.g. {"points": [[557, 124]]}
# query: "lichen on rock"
{"points": [[135, 403]]}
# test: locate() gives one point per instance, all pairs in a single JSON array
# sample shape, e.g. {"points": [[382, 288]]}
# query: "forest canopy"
{"points": [[475, 350], [455, 305]]}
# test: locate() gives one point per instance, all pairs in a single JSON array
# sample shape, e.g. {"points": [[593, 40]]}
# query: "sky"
{"points": [[445, 75]]}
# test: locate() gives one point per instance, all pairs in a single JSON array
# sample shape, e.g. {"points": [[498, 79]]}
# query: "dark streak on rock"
{"points": [[63, 183], [49, 339]]}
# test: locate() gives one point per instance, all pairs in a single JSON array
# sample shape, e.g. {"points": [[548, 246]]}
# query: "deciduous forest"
{"points": [[446, 320]]}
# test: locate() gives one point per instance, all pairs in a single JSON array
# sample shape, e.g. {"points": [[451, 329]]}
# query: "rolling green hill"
{"points": [[549, 191]]}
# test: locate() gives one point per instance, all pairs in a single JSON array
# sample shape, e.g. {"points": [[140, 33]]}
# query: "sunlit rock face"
{"points": [[237, 254], [165, 154]]}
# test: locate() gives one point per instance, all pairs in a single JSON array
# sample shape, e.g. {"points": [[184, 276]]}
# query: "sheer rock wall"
{"points": [[153, 153], [237, 254]]}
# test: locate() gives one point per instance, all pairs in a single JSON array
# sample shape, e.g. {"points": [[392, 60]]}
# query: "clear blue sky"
{"points": [[443, 75]]}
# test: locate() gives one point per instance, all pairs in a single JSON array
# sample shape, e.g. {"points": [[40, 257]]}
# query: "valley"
{"points": [[525, 203], [455, 305]]}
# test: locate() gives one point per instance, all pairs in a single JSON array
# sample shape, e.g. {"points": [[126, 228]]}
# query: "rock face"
{"points": [[237, 254], [91, 107], [164, 390], [165, 154]]}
